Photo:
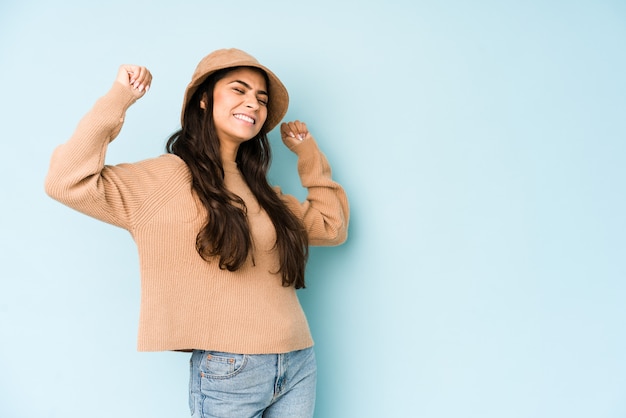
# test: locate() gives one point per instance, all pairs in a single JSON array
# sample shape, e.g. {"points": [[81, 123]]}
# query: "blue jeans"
{"points": [[225, 385]]}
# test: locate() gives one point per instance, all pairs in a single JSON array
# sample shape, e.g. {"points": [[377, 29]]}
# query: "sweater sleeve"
{"points": [[325, 211], [78, 176]]}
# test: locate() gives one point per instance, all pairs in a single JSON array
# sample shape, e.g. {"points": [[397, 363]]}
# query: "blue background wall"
{"points": [[481, 143]]}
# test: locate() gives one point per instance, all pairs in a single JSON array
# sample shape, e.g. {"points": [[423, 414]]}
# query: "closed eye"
{"points": [[241, 87]]}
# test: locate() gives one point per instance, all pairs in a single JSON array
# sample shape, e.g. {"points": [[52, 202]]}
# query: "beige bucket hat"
{"points": [[232, 57]]}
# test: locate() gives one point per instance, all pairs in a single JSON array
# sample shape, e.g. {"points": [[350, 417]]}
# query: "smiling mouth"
{"points": [[244, 118]]}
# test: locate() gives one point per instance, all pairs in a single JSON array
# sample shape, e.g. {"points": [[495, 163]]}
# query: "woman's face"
{"points": [[239, 105]]}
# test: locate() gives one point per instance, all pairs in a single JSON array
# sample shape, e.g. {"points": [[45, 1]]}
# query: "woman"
{"points": [[221, 252]]}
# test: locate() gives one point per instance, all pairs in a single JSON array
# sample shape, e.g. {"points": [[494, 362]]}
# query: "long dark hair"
{"points": [[226, 233]]}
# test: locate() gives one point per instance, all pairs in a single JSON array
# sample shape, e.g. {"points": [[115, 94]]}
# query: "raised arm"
{"points": [[325, 212], [77, 176]]}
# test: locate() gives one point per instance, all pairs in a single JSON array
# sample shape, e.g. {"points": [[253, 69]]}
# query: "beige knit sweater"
{"points": [[186, 302]]}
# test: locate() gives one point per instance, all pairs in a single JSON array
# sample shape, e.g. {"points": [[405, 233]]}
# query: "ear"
{"points": [[203, 102]]}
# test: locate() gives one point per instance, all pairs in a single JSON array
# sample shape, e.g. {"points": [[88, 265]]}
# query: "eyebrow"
{"points": [[249, 87]]}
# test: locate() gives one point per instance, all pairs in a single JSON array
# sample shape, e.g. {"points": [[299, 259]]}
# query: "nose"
{"points": [[252, 102]]}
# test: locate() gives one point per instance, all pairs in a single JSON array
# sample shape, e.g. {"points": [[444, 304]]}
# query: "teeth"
{"points": [[244, 117]]}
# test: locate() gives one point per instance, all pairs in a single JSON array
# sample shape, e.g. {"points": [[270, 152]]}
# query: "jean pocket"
{"points": [[218, 365]]}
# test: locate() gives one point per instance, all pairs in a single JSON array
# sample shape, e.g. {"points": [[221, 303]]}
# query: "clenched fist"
{"points": [[294, 132], [135, 77]]}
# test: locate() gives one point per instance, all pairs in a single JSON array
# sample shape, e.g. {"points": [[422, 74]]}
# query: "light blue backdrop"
{"points": [[482, 145]]}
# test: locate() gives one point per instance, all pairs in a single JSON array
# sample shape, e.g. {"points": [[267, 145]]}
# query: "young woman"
{"points": [[221, 251]]}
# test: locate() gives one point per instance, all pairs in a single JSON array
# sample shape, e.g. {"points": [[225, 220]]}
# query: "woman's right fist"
{"points": [[135, 77]]}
